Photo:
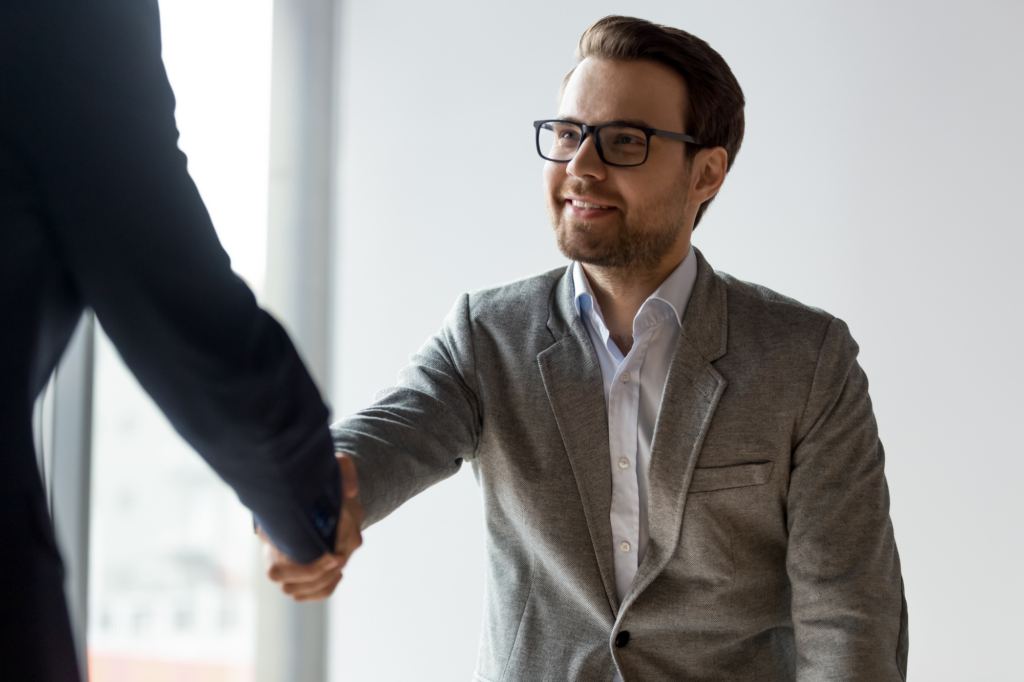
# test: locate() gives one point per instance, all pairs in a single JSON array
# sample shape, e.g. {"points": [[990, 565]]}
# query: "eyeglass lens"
{"points": [[621, 145]]}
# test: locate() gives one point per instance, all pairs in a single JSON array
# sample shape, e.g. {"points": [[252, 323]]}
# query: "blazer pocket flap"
{"points": [[738, 476]]}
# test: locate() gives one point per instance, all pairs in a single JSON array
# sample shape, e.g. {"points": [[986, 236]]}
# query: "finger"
{"points": [[296, 590], [348, 548], [279, 566], [283, 569], [355, 507], [324, 593], [273, 558], [349, 478], [349, 538]]}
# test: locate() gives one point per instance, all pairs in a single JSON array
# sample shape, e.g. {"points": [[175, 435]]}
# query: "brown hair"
{"points": [[715, 115]]}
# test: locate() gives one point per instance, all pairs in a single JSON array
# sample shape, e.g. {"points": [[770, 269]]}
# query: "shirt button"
{"points": [[625, 377], [624, 546], [623, 463]]}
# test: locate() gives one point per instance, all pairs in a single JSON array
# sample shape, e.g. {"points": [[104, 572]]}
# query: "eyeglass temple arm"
{"points": [[674, 136]]}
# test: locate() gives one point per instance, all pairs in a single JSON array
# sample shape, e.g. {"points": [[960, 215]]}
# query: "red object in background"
{"points": [[106, 668]]}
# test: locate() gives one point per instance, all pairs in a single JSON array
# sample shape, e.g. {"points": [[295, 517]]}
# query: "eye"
{"points": [[566, 136], [627, 139]]}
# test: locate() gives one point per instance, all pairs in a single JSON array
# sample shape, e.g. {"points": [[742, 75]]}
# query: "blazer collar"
{"points": [[573, 383], [705, 323], [674, 292], [693, 389], [572, 380]]}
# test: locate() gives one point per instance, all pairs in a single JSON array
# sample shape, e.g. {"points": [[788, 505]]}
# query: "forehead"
{"points": [[602, 90]]}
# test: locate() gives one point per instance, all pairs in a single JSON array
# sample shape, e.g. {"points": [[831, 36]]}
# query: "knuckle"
{"points": [[295, 587]]}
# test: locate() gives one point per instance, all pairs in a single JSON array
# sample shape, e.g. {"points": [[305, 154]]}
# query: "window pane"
{"points": [[172, 555]]}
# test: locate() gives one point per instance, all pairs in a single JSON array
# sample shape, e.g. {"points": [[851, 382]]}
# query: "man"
{"points": [[97, 209], [681, 472]]}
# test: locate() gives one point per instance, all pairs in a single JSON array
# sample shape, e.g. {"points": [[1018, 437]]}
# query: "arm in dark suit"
{"points": [[86, 106], [849, 615]]}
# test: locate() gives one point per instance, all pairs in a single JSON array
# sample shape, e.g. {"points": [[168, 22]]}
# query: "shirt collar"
{"points": [[675, 290], [584, 299]]}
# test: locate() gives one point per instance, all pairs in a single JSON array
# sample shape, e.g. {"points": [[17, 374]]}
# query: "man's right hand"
{"points": [[316, 581]]}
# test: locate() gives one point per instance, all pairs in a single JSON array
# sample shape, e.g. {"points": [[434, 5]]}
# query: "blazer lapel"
{"points": [[572, 380], [692, 391]]}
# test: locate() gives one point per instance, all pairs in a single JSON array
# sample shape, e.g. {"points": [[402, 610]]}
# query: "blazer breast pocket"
{"points": [[706, 479]]}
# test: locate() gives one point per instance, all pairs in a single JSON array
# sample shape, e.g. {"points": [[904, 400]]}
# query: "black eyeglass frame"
{"points": [[594, 130]]}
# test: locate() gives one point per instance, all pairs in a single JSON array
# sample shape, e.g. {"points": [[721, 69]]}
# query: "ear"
{"points": [[707, 174]]}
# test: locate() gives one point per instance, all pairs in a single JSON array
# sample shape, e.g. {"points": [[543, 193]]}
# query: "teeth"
{"points": [[583, 204]]}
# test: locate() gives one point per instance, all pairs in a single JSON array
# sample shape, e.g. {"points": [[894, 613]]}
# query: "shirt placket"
{"points": [[623, 412]]}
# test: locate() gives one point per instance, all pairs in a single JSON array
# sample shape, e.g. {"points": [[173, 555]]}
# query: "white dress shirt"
{"points": [[632, 389]]}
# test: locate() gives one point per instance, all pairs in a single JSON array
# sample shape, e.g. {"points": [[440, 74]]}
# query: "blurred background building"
{"points": [[879, 179]]}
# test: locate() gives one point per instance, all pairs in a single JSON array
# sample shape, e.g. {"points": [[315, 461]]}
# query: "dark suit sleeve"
{"points": [[418, 432], [849, 614], [86, 105]]}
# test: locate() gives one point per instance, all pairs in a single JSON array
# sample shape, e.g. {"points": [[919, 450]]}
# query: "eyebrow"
{"points": [[631, 122]]}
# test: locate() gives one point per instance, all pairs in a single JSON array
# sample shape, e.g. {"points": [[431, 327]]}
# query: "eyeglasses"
{"points": [[617, 144]]}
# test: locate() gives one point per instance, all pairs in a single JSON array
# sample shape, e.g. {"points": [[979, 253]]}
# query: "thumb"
{"points": [[349, 479]]}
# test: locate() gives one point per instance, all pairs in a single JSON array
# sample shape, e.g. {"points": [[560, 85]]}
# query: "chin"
{"points": [[577, 242]]}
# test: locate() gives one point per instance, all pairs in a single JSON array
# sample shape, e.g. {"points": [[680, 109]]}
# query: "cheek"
{"points": [[548, 177], [636, 190], [553, 177], [652, 191]]}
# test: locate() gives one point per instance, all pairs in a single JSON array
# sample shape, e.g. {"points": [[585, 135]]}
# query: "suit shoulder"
{"points": [[754, 308], [751, 295], [517, 301]]}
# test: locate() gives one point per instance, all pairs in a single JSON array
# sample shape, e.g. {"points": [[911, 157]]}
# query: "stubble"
{"points": [[635, 242]]}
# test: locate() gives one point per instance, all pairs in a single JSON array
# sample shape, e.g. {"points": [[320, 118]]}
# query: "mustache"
{"points": [[586, 190]]}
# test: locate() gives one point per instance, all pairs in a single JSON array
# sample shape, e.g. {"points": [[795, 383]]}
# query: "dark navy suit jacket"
{"points": [[97, 210]]}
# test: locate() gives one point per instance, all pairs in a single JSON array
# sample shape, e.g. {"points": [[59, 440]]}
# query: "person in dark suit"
{"points": [[97, 210]]}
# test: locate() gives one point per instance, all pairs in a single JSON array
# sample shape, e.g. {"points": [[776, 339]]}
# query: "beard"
{"points": [[636, 242]]}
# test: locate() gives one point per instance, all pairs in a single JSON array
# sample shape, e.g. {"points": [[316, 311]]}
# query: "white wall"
{"points": [[879, 180]]}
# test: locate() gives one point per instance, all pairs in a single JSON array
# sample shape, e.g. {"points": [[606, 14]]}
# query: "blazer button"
{"points": [[622, 639]]}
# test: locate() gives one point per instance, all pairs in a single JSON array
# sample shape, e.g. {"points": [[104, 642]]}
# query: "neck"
{"points": [[621, 291]]}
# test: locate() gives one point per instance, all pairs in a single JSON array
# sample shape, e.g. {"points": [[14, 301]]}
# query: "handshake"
{"points": [[318, 580]]}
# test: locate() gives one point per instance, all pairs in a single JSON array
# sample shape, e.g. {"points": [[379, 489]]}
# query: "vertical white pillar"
{"points": [[291, 643]]}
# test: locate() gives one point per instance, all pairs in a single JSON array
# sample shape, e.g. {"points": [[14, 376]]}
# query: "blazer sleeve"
{"points": [[418, 432], [86, 105], [849, 612]]}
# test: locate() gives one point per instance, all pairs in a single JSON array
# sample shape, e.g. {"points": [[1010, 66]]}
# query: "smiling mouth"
{"points": [[585, 205]]}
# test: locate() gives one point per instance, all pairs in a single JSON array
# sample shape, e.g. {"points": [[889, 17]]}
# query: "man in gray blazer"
{"points": [[681, 471]]}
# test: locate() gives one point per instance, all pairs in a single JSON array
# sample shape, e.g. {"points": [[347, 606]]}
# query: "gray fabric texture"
{"points": [[771, 552]]}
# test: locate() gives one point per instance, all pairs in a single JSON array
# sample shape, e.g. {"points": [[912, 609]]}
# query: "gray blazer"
{"points": [[771, 553]]}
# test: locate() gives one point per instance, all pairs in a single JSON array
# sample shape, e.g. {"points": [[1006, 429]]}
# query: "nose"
{"points": [[587, 163]]}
